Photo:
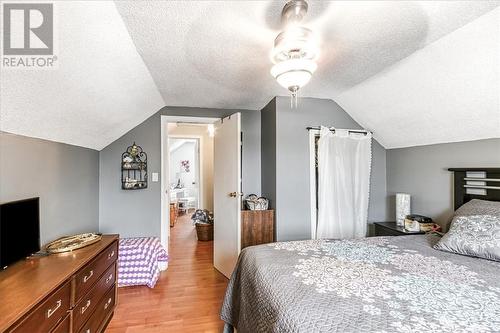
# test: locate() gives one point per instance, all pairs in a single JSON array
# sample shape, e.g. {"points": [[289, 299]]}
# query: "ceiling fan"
{"points": [[295, 50]]}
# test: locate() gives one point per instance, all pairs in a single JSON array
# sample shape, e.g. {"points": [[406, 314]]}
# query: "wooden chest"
{"points": [[257, 227]]}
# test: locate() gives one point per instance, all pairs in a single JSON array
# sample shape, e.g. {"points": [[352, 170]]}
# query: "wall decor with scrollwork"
{"points": [[134, 167]]}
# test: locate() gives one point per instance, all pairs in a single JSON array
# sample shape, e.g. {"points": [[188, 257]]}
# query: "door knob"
{"points": [[235, 194]]}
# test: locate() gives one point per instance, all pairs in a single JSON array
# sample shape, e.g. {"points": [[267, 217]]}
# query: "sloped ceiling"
{"points": [[447, 92], [100, 90], [216, 54]]}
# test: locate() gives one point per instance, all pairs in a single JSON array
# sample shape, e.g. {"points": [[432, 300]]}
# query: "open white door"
{"points": [[227, 193], [165, 186]]}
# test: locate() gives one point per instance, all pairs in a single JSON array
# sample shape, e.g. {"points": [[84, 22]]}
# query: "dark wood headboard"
{"points": [[491, 185]]}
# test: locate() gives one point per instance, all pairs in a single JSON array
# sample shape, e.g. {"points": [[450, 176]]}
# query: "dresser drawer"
{"points": [[101, 313], [87, 276], [63, 326], [45, 316], [84, 308]]}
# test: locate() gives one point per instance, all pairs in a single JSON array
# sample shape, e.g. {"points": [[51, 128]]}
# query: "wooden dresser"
{"points": [[174, 213], [257, 227], [61, 293]]}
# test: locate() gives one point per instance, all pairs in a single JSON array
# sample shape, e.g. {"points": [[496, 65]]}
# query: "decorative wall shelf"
{"points": [[134, 166]]}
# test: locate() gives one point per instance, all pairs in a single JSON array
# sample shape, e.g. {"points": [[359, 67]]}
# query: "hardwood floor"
{"points": [[187, 297]]}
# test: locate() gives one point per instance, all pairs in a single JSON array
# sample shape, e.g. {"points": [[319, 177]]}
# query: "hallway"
{"points": [[187, 297]]}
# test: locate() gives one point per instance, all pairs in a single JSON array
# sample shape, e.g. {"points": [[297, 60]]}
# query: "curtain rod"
{"points": [[333, 130]]}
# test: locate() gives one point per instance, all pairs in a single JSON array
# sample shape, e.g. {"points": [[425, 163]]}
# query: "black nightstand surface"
{"points": [[391, 229]]}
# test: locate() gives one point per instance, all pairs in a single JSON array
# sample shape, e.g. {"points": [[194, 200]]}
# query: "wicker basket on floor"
{"points": [[205, 231]]}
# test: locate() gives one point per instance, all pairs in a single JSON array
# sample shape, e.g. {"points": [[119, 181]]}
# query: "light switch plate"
{"points": [[154, 177]]}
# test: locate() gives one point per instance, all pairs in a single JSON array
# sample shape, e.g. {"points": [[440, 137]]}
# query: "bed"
{"points": [[377, 284], [140, 261]]}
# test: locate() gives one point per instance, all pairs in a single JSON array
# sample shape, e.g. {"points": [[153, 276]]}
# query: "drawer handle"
{"points": [[108, 303], [109, 278], [84, 308], [111, 255], [50, 312], [87, 277], [87, 330]]}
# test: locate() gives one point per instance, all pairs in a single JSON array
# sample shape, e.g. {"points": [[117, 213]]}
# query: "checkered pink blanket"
{"points": [[138, 261]]}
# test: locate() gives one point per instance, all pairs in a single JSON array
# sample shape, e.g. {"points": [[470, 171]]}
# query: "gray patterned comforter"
{"points": [[379, 284]]}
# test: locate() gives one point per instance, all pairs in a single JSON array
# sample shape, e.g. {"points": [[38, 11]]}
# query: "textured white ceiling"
{"points": [[446, 92], [100, 91], [216, 54]]}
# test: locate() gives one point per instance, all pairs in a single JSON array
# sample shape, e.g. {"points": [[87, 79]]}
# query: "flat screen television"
{"points": [[19, 230]]}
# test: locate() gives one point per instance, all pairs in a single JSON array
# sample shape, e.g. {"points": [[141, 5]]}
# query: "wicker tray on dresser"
{"points": [[61, 293]]}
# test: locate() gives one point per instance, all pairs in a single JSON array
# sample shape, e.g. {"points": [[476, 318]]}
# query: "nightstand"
{"points": [[391, 229]]}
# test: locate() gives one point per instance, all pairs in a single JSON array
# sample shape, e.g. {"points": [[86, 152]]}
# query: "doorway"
{"points": [[186, 176], [197, 176], [189, 160]]}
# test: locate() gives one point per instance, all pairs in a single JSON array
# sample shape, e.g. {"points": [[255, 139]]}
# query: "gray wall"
{"points": [[422, 172], [65, 177], [268, 152], [137, 213], [292, 198]]}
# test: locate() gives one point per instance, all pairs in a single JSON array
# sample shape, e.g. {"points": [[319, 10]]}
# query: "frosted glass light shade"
{"points": [[294, 79], [293, 73]]}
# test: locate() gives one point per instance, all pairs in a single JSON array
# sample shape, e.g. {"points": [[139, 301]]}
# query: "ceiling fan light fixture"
{"points": [[295, 50], [293, 43], [293, 81], [286, 68], [294, 11]]}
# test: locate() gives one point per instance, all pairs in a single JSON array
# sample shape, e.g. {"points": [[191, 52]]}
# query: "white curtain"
{"points": [[344, 163]]}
